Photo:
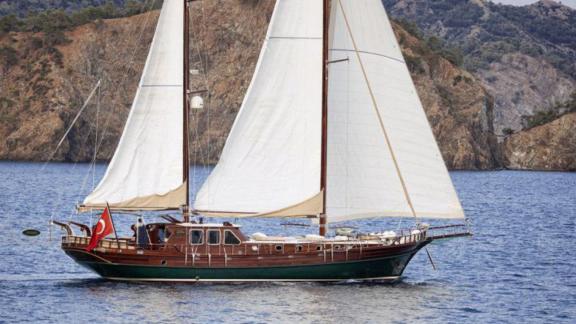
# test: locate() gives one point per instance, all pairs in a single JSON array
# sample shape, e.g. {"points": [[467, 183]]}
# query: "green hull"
{"points": [[388, 268]]}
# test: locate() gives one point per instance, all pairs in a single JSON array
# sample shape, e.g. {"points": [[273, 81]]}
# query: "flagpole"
{"points": [[113, 225]]}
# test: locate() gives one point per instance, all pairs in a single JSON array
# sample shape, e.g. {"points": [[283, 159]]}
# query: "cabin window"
{"points": [[230, 238], [299, 248], [196, 237], [214, 237]]}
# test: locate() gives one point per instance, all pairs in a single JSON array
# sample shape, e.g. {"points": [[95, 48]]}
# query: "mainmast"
{"points": [[325, 58], [186, 112]]}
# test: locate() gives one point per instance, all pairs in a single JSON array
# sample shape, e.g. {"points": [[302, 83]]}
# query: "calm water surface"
{"points": [[519, 267]]}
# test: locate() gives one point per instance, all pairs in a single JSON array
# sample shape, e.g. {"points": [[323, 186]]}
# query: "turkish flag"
{"points": [[104, 227]]}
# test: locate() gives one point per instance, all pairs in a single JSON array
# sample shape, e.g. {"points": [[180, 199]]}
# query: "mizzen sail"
{"points": [[383, 159], [271, 160], [146, 172]]}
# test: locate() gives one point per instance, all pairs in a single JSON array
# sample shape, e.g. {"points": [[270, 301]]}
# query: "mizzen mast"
{"points": [[324, 159], [186, 112]]}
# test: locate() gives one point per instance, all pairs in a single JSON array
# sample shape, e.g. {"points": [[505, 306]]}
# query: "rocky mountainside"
{"points": [[547, 147], [42, 94], [458, 107], [43, 85], [524, 56]]}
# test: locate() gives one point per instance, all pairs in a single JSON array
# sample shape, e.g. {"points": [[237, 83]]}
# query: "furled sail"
{"points": [[382, 155], [146, 172], [271, 161]]}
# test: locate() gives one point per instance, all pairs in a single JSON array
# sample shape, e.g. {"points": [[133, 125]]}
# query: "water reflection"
{"points": [[269, 302], [518, 265]]}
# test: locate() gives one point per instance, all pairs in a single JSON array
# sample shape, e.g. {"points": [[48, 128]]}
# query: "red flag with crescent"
{"points": [[104, 227]]}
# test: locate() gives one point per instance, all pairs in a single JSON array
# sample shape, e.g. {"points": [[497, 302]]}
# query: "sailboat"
{"points": [[331, 129]]}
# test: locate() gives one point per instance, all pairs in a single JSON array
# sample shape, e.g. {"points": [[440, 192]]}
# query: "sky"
{"points": [[570, 3]]}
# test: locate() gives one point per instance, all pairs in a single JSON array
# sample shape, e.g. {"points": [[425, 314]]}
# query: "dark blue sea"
{"points": [[520, 266]]}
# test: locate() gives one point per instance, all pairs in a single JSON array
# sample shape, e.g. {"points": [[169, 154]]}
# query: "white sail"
{"points": [[271, 160], [372, 96], [146, 171]]}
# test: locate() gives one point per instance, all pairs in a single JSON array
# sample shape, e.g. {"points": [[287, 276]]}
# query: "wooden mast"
{"points": [[325, 35], [186, 112]]}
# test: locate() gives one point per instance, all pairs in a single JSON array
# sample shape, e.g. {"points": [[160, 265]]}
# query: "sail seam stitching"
{"points": [[375, 106], [369, 53]]}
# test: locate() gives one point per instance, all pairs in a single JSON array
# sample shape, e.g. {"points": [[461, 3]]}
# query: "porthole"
{"points": [[163, 262], [299, 248], [318, 248], [279, 248]]}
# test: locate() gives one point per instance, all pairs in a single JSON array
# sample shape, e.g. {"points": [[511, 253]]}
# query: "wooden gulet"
{"points": [[224, 253], [188, 250]]}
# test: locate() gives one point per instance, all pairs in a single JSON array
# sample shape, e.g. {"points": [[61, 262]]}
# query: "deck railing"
{"points": [[449, 231], [105, 243], [400, 237]]}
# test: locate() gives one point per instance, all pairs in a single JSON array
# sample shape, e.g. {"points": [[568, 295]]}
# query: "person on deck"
{"points": [[161, 235], [142, 239]]}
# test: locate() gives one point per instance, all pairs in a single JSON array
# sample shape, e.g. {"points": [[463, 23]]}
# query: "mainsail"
{"points": [[271, 160], [146, 172], [382, 159]]}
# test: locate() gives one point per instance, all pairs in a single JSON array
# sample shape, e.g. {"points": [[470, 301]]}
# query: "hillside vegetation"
{"points": [[23, 8]]}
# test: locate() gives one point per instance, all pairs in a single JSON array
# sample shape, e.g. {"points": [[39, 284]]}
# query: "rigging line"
{"points": [[375, 106], [204, 64], [204, 156], [192, 122], [196, 115], [72, 124], [92, 166], [96, 137], [348, 148], [197, 148], [61, 192]]}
